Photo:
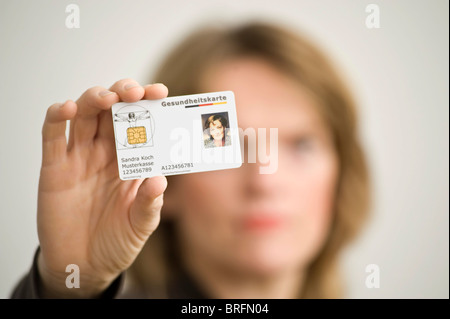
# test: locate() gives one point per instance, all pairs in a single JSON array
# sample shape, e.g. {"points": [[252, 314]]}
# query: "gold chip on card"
{"points": [[136, 135]]}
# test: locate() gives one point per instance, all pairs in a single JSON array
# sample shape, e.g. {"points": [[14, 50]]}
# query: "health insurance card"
{"points": [[176, 135]]}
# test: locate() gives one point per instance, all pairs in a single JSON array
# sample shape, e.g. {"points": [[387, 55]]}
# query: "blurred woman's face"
{"points": [[216, 130], [251, 223]]}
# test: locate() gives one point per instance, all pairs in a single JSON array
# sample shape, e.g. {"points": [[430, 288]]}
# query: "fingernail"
{"points": [[105, 93], [130, 86]]}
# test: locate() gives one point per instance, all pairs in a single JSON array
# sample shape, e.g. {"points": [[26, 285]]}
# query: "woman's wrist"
{"points": [[53, 284]]}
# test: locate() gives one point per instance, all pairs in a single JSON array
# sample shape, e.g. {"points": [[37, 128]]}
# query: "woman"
{"points": [[223, 234], [215, 131]]}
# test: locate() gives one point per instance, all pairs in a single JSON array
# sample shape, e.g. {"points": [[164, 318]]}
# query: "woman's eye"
{"points": [[304, 144]]}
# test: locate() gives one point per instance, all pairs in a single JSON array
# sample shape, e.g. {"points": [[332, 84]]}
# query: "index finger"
{"points": [[155, 91]]}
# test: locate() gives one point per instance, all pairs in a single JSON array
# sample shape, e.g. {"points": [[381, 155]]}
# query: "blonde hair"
{"points": [[298, 58]]}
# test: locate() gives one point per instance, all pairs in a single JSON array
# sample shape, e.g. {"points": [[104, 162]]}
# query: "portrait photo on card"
{"points": [[216, 130]]}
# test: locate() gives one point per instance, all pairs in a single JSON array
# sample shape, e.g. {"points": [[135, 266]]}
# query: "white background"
{"points": [[399, 74]]}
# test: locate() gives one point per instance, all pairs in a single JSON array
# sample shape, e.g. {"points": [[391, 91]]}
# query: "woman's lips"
{"points": [[262, 222]]}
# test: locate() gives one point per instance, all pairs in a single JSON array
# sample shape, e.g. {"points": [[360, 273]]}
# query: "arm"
{"points": [[86, 215]]}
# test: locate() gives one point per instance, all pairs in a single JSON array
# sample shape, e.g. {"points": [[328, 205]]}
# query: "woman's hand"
{"points": [[86, 215]]}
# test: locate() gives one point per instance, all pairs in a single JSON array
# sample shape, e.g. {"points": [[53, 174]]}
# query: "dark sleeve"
{"points": [[29, 285]]}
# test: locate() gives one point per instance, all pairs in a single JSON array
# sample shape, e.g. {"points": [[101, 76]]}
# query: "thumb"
{"points": [[146, 209]]}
